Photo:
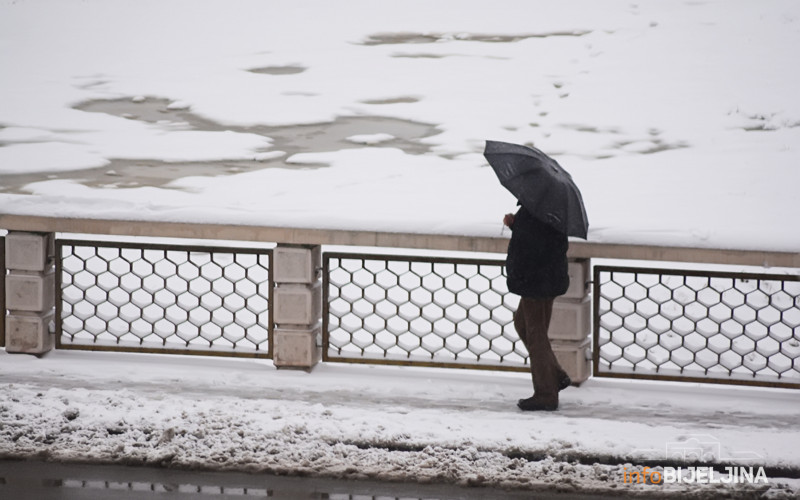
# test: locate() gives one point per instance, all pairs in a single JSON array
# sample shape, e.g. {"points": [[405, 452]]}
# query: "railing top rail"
{"points": [[161, 247], [413, 258], [306, 236], [696, 273]]}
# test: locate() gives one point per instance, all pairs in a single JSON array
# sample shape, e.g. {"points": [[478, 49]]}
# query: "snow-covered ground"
{"points": [[388, 423], [678, 119]]}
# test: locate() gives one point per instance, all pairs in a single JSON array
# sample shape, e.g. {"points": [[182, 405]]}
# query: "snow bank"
{"points": [[398, 424]]}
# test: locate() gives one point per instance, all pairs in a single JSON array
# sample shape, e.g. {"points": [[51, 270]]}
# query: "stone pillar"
{"points": [[30, 292], [297, 306], [3, 292], [571, 324]]}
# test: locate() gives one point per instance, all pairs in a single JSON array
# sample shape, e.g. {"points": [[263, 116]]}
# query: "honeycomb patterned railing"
{"points": [[697, 326], [163, 298], [421, 311]]}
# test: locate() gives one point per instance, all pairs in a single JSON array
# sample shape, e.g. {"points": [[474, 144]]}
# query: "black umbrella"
{"points": [[541, 185]]}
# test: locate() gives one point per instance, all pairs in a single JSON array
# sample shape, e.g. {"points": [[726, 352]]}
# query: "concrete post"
{"points": [[30, 292], [571, 324], [297, 306], [3, 291]]}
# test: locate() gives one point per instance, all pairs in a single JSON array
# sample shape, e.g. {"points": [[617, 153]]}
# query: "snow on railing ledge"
{"points": [[387, 239]]}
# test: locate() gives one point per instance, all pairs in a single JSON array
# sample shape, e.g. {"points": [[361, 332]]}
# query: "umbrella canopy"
{"points": [[541, 185]]}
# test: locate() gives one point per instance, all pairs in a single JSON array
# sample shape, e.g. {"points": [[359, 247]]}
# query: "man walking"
{"points": [[536, 268]]}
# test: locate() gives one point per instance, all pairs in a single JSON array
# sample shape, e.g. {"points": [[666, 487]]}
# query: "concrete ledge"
{"points": [[299, 236]]}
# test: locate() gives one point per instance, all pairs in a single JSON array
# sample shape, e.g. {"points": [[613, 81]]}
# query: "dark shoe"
{"points": [[531, 405], [564, 382]]}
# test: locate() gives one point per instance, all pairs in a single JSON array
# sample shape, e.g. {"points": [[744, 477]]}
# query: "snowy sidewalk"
{"points": [[387, 423]]}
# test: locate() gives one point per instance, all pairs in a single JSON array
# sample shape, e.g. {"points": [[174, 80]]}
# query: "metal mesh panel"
{"points": [[685, 325], [425, 311], [163, 298]]}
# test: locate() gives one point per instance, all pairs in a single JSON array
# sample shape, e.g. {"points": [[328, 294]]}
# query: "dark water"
{"points": [[291, 139], [49, 481]]}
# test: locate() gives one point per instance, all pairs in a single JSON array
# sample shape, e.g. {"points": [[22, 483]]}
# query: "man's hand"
{"points": [[508, 220]]}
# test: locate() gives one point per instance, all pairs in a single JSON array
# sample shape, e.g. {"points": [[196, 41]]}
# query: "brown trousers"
{"points": [[532, 320]]}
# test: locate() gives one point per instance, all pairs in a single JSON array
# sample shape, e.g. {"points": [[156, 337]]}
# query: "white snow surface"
{"points": [[679, 120], [386, 423]]}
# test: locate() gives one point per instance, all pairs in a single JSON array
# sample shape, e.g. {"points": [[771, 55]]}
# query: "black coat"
{"points": [[536, 265]]}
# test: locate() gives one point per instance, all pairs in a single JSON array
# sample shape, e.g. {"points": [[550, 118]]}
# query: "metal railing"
{"points": [[423, 311], [697, 326], [450, 312], [163, 298]]}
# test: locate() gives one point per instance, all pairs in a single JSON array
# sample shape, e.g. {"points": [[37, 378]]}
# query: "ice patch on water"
{"points": [[370, 139]]}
